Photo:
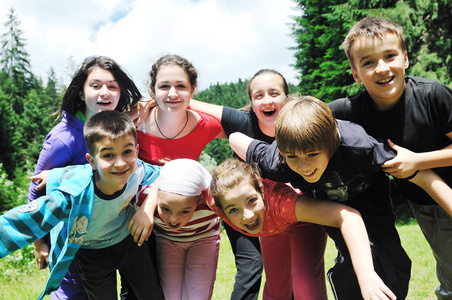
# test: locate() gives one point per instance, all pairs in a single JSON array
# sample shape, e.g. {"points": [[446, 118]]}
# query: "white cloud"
{"points": [[224, 39]]}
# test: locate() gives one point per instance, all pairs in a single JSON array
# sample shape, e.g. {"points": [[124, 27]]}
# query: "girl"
{"points": [[171, 130], [187, 231], [260, 208], [99, 84]]}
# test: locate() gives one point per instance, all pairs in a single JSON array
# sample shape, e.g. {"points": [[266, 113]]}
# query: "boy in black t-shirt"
{"points": [[338, 161], [414, 113]]}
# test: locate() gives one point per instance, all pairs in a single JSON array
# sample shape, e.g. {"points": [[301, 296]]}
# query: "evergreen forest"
{"points": [[28, 106]]}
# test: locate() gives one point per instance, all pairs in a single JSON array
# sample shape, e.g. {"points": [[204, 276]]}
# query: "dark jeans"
{"points": [[248, 260], [98, 267]]}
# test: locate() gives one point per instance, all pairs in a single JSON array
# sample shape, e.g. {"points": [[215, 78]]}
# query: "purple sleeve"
{"points": [[54, 154]]}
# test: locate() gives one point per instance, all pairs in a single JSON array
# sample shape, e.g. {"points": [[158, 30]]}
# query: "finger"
{"points": [[40, 186], [392, 145]]}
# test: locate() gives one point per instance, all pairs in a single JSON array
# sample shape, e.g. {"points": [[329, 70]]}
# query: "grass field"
{"points": [[20, 281]]}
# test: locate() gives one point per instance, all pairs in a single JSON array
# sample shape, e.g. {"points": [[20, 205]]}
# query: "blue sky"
{"points": [[224, 39]]}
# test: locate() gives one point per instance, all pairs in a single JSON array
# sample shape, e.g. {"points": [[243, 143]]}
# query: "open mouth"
{"points": [[104, 103], [173, 225], [269, 112], [253, 225], [122, 173], [310, 173], [386, 80]]}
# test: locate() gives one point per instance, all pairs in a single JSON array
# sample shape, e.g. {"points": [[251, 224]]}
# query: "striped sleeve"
{"points": [[26, 223]]}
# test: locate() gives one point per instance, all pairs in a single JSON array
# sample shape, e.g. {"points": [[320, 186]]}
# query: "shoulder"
{"points": [[352, 135], [71, 179]]}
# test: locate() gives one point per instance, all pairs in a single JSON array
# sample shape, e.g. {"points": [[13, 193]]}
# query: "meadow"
{"points": [[19, 278]]}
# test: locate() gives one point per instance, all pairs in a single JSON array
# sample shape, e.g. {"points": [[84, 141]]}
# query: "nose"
{"points": [[382, 66], [120, 161], [104, 92], [303, 165], [172, 218], [247, 214], [267, 99], [172, 92]]}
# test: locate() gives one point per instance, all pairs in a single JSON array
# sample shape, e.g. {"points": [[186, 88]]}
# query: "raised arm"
{"points": [[214, 110], [349, 221]]}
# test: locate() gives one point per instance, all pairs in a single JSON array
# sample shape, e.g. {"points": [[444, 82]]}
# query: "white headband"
{"points": [[185, 177]]}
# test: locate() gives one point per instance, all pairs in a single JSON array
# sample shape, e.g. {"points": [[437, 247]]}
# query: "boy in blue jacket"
{"points": [[87, 210]]}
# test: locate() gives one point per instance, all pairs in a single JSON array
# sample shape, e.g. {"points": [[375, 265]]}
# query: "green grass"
{"points": [[19, 278]]}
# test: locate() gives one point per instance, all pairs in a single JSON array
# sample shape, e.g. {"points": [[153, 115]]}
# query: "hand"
{"points": [[373, 288], [140, 111], [40, 178], [403, 165], [41, 251], [141, 226]]}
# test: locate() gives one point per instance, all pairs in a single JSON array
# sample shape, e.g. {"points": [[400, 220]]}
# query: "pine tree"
{"points": [[15, 63]]}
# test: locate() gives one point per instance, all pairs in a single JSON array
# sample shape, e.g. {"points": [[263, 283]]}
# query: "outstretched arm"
{"points": [[239, 143], [355, 235], [435, 186]]}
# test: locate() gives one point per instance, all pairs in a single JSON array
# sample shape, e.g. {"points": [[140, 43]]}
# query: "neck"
{"points": [[267, 130], [170, 125]]}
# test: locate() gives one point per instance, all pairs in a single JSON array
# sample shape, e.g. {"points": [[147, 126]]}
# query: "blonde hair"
{"points": [[372, 27], [306, 124], [230, 173]]}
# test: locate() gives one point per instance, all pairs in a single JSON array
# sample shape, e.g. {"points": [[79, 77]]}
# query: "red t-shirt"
{"points": [[153, 149]]}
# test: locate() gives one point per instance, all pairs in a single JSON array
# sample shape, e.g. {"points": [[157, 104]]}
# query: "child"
{"points": [[187, 231], [260, 208], [99, 84], [337, 161], [75, 194], [412, 112]]}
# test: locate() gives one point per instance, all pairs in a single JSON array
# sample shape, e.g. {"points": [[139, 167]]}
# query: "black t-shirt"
{"points": [[353, 175], [419, 122], [246, 122]]}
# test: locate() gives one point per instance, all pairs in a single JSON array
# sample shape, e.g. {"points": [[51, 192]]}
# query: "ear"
{"points": [[91, 161], [407, 62], [138, 148], [82, 96], [193, 87], [356, 76]]}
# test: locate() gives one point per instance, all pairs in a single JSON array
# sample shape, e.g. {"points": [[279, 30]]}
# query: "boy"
{"points": [[87, 210], [339, 162], [412, 112]]}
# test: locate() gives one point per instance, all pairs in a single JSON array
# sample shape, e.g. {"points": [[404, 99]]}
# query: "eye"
{"points": [[107, 155], [275, 94], [164, 209], [128, 151], [291, 156], [392, 55], [367, 63], [164, 86], [184, 212], [181, 86], [258, 96], [313, 154], [252, 200], [232, 210], [113, 87]]}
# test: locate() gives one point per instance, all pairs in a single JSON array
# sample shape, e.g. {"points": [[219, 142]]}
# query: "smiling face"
{"points": [[176, 210], [100, 92], [380, 65], [114, 162], [244, 206], [172, 89], [267, 98], [310, 166]]}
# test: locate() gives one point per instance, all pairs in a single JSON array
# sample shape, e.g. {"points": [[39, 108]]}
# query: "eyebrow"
{"points": [[110, 148]]}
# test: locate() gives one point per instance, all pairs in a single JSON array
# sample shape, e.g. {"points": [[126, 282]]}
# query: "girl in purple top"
{"points": [[99, 84]]}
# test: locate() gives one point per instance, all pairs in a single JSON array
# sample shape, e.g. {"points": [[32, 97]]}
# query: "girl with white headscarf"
{"points": [[187, 231]]}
